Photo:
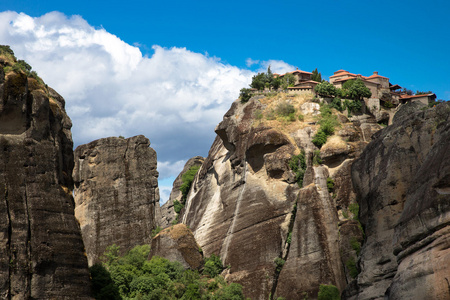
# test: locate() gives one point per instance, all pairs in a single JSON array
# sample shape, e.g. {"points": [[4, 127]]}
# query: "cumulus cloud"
{"points": [[175, 97]]}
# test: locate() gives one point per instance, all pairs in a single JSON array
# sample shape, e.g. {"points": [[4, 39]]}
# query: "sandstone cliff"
{"points": [[403, 184], [41, 246], [246, 206], [167, 211], [116, 193]]}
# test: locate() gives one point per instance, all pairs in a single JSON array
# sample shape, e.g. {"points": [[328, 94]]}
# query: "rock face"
{"points": [[246, 206], [403, 182], [167, 212], [116, 193], [177, 243], [41, 247]]}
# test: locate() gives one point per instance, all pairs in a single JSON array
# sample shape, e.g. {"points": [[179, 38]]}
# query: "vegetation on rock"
{"points": [[187, 179], [327, 123], [325, 89], [298, 166], [328, 292], [132, 276]]}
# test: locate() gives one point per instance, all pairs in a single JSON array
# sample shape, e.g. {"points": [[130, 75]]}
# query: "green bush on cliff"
{"points": [[213, 266], [133, 276], [298, 165], [328, 292], [187, 178], [328, 122]]}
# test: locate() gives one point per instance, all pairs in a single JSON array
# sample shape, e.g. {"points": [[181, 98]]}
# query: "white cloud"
{"points": [[175, 97], [276, 66], [250, 62]]}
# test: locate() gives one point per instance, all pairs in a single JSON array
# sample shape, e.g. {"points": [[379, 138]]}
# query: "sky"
{"points": [[170, 70]]}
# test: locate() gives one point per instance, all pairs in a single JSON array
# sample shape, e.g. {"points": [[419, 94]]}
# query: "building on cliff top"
{"points": [[382, 90], [303, 82]]}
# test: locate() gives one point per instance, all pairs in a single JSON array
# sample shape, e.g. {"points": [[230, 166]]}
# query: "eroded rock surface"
{"points": [[402, 181], [167, 212], [116, 193], [41, 251], [177, 243], [241, 203]]}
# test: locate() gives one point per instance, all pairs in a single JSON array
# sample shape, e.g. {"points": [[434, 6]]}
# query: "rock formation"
{"points": [[167, 211], [41, 246], [177, 243], [246, 206], [116, 193], [403, 184]]}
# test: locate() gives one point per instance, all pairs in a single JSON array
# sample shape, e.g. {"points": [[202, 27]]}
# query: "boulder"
{"points": [[177, 243]]}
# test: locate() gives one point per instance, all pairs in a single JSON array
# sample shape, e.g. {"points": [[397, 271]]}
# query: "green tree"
{"points": [[269, 77], [276, 83], [316, 76], [245, 95], [356, 89], [287, 81], [325, 89], [259, 81]]}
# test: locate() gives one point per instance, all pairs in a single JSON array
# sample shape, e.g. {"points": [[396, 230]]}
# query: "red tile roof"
{"points": [[375, 76], [336, 74], [297, 71], [416, 96]]}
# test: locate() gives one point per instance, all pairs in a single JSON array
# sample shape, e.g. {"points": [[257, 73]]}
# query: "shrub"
{"points": [[301, 117], [327, 123], [156, 231], [351, 266], [355, 245], [187, 178], [328, 292], [285, 109], [388, 104], [213, 266], [298, 165], [245, 95], [352, 105], [289, 238], [320, 138], [337, 104], [330, 184], [354, 209], [177, 206], [279, 262], [317, 159]]}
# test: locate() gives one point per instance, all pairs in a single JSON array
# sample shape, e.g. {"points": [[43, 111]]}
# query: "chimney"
{"points": [[297, 68], [375, 73]]}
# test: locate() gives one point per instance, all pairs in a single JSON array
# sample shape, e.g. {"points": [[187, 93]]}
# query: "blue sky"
{"points": [[170, 70]]}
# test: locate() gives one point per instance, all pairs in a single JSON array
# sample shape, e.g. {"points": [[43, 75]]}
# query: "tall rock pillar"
{"points": [[41, 250], [116, 193]]}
